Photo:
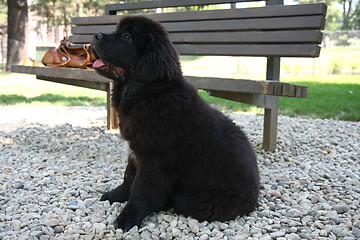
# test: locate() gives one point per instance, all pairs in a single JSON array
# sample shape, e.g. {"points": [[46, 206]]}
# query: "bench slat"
{"points": [[240, 13], [81, 39], [93, 29], [269, 50], [305, 22], [307, 36]]}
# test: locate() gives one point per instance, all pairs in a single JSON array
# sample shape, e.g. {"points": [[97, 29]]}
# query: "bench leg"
{"points": [[270, 125], [271, 113], [112, 117]]}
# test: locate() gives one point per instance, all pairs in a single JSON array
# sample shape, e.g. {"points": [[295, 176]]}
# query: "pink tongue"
{"points": [[98, 63]]}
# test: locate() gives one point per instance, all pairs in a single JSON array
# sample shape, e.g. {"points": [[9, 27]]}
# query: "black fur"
{"points": [[186, 155]]}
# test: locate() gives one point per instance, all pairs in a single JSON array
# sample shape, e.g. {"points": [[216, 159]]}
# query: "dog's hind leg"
{"points": [[122, 192]]}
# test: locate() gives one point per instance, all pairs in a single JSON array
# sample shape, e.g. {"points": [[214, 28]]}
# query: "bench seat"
{"points": [[89, 79]]}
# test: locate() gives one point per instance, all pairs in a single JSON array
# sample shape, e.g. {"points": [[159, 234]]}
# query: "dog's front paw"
{"points": [[116, 195], [126, 221], [107, 196]]}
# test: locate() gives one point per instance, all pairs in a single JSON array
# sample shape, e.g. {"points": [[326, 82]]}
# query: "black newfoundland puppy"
{"points": [[185, 154]]}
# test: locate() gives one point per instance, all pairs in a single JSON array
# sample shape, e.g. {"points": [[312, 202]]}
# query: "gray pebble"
{"points": [[99, 227], [277, 234], [229, 232], [338, 232], [44, 237], [167, 218], [19, 185], [52, 222], [341, 208], [36, 234], [16, 224], [204, 237], [292, 236], [356, 232], [194, 225], [305, 236], [335, 219], [145, 235], [294, 213], [224, 226], [59, 229], [267, 162]]}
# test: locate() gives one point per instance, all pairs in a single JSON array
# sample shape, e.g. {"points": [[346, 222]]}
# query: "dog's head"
{"points": [[138, 48]]}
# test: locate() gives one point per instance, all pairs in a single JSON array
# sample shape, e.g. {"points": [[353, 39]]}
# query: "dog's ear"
{"points": [[159, 60]]}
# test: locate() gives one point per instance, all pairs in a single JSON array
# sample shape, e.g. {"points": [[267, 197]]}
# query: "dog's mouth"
{"points": [[117, 72]]}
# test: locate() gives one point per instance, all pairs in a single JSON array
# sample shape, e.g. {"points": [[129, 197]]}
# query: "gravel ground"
{"points": [[56, 162]]}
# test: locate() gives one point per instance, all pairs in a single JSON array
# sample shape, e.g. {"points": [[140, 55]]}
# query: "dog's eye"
{"points": [[127, 36]]}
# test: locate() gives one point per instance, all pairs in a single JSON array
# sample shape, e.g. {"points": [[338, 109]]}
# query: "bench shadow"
{"points": [[13, 99]]}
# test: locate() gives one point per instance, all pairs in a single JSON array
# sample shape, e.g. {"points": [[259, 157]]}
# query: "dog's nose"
{"points": [[98, 36]]}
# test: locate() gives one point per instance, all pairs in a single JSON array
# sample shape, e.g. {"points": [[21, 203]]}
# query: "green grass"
{"points": [[48, 99], [329, 96], [20, 89]]}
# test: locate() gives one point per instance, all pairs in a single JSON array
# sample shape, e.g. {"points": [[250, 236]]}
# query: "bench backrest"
{"points": [[270, 31]]}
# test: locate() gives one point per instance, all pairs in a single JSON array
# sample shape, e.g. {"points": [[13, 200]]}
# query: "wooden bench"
{"points": [[272, 31]]}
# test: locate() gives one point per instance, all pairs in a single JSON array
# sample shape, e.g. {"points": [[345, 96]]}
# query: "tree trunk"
{"points": [[17, 32], [56, 35], [66, 33], [79, 8]]}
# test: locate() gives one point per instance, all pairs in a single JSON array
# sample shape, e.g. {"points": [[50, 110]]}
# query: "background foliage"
{"points": [[342, 14]]}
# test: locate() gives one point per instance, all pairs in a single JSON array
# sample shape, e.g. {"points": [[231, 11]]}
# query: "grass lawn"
{"points": [[329, 96], [23, 89]]}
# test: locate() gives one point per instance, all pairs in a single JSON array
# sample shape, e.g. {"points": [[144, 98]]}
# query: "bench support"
{"points": [[112, 117], [271, 112], [270, 126]]}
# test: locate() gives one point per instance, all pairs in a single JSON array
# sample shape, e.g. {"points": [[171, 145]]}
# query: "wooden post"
{"points": [[112, 117], [271, 113]]}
